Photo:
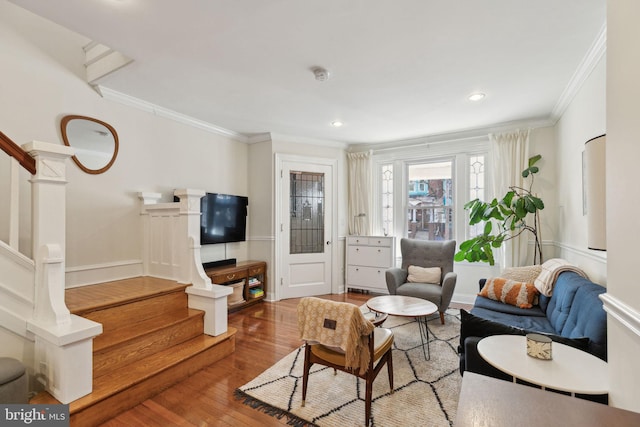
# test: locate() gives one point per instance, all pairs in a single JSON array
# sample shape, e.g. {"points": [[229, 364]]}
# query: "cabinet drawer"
{"points": [[228, 277], [380, 241], [369, 256], [254, 271], [367, 277], [357, 240]]}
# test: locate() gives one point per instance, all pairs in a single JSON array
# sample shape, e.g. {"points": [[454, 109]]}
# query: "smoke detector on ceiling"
{"points": [[322, 74]]}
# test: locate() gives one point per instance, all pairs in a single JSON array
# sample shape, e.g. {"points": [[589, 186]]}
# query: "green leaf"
{"points": [[525, 173], [533, 160], [464, 246], [537, 202], [529, 205], [487, 227], [534, 169], [470, 203], [488, 252], [521, 212], [459, 256], [508, 198]]}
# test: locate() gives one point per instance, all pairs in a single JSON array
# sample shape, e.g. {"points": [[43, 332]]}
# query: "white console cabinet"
{"points": [[368, 257]]}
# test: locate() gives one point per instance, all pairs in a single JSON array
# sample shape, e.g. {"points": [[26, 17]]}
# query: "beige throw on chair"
{"points": [[340, 326]]}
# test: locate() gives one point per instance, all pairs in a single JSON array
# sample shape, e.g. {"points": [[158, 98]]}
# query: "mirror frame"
{"points": [[63, 127]]}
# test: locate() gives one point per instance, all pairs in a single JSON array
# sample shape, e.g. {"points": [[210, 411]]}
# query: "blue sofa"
{"points": [[573, 315]]}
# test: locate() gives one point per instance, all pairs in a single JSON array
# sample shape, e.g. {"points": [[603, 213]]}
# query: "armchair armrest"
{"points": [[448, 286], [395, 277]]}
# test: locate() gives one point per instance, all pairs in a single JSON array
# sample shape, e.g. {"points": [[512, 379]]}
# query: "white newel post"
{"points": [[64, 342], [203, 295]]}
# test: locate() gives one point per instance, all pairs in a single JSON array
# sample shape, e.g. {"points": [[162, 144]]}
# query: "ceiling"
{"points": [[398, 69]]}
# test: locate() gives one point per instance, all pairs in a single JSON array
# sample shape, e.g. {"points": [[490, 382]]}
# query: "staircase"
{"points": [[150, 341]]}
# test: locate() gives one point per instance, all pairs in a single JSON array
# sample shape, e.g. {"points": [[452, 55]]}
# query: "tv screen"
{"points": [[224, 218]]}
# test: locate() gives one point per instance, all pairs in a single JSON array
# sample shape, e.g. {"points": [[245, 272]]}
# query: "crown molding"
{"points": [[589, 62], [301, 140], [159, 111], [462, 135]]}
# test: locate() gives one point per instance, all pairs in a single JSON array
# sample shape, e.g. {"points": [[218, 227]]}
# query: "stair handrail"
{"points": [[15, 151]]}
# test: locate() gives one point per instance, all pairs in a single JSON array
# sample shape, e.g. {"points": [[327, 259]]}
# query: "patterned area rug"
{"points": [[426, 391]]}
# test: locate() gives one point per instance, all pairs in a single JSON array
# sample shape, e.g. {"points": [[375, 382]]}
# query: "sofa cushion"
{"points": [[561, 302], [588, 318], [475, 326], [529, 323], [501, 307], [509, 291]]}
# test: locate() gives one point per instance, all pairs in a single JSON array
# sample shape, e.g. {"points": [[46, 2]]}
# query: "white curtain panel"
{"points": [[510, 156], [359, 209]]}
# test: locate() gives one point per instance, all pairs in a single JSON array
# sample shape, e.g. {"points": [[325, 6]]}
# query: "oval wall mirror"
{"points": [[94, 141]]}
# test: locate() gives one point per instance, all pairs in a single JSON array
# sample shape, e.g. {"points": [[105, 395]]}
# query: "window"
{"points": [[430, 201], [476, 187], [307, 212], [432, 184], [387, 199]]}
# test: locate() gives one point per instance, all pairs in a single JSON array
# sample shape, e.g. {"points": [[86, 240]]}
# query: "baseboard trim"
{"points": [[98, 273]]}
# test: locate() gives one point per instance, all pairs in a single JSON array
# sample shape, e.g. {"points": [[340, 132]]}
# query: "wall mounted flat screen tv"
{"points": [[223, 219]]}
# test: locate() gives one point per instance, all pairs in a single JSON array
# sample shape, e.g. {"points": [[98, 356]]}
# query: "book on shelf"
{"points": [[256, 292], [253, 281]]}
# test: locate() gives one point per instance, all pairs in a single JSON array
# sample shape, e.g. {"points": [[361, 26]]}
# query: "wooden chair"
{"points": [[378, 344]]}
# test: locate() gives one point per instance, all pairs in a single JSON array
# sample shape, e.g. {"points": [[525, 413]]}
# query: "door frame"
{"points": [[280, 159]]}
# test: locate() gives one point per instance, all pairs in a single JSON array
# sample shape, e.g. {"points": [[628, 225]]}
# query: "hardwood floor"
{"points": [[266, 333]]}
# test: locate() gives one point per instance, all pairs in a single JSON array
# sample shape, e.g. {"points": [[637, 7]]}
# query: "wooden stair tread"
{"points": [[153, 324], [137, 372], [89, 298]]}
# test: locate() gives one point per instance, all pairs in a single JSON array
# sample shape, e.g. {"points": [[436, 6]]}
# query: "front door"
{"points": [[305, 229]]}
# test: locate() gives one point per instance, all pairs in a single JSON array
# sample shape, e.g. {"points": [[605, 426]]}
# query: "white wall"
{"points": [[623, 201], [42, 80], [585, 118]]}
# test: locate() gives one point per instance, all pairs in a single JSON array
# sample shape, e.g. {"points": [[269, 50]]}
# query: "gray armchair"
{"points": [[425, 253]]}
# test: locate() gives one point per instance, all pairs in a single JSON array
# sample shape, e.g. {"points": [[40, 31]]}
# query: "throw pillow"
{"points": [[510, 292], [424, 274], [526, 274]]}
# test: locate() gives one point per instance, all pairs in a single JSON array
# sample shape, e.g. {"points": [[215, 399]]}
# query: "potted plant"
{"points": [[504, 220]]}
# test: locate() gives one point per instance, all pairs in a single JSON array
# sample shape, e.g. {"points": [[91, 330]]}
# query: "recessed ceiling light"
{"points": [[336, 123], [477, 96]]}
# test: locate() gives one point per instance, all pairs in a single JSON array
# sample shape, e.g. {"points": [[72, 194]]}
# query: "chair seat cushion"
{"points": [[428, 291], [382, 341]]}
